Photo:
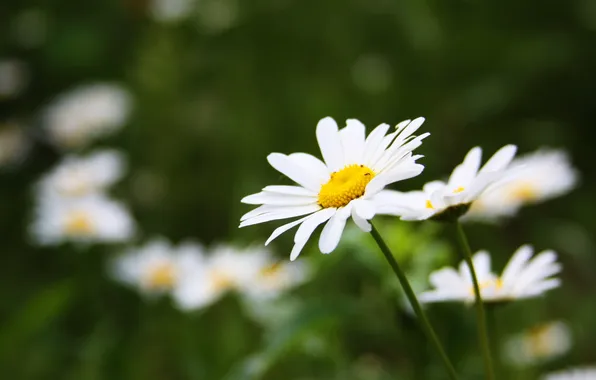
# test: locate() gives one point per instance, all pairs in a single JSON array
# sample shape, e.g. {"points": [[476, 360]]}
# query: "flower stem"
{"points": [[432, 336], [493, 330], [482, 330]]}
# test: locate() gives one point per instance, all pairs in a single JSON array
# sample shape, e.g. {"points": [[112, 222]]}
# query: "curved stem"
{"points": [[430, 332], [482, 330]]}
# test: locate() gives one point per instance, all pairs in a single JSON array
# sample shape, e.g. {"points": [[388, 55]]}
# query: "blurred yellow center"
{"points": [[524, 192], [220, 280], [270, 270], [429, 205], [540, 340], [162, 276], [345, 185], [458, 190], [79, 223], [497, 284]]}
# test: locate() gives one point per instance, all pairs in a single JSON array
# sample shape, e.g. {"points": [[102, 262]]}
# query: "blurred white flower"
{"points": [[158, 267], [538, 344], [13, 144], [349, 183], [13, 78], [215, 16], [584, 373], [523, 277], [81, 176], [91, 219], [171, 10], [440, 200], [529, 179], [87, 113]]}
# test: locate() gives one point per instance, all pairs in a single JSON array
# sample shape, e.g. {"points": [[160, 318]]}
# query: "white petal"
{"points": [[410, 129], [352, 139], [375, 186], [283, 213], [364, 208], [313, 164], [465, 172], [307, 228], [362, 223], [372, 143], [516, 263], [280, 230], [330, 144], [446, 278], [278, 199], [300, 175], [500, 159], [289, 190], [333, 230]]}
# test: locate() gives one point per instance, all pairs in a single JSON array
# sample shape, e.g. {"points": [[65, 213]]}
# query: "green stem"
{"points": [[482, 330], [493, 331], [432, 336]]}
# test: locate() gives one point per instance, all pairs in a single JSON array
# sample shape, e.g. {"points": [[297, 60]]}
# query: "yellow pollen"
{"points": [[497, 284], [524, 192], [458, 190], [78, 223], [429, 205], [270, 270], [162, 276], [220, 280], [345, 185], [540, 340]]}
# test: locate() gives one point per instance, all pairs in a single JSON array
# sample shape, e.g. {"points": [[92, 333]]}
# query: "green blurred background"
{"points": [[217, 91]]}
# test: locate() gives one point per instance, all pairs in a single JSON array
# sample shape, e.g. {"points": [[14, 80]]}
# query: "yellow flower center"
{"points": [[458, 190], [79, 223], [540, 340], [429, 205], [162, 276], [270, 270], [497, 284], [221, 281], [345, 185], [524, 192]]}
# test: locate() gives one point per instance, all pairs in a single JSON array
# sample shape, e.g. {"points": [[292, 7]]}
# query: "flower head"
{"points": [[14, 144], [86, 113], [349, 183], [158, 267], [451, 199], [523, 277], [585, 373], [538, 344], [92, 219], [529, 179]]}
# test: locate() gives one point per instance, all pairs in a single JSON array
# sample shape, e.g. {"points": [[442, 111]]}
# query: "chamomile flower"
{"points": [[91, 219], [523, 277], [538, 344], [349, 183], [80, 176], [158, 267], [585, 373], [449, 200], [87, 113], [529, 179]]}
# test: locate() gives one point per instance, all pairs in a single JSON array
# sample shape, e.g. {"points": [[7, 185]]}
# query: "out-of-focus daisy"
{"points": [[349, 183], [538, 344], [80, 176], [13, 144], [529, 179], [171, 10], [158, 267], [86, 113], [585, 373], [440, 200], [92, 219], [523, 277]]}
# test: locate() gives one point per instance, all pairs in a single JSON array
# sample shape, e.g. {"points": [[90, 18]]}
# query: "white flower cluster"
{"points": [[196, 277]]}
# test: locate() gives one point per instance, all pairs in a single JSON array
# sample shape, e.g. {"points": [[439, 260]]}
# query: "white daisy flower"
{"points": [[92, 219], [87, 113], [539, 344], [14, 144], [158, 267], [452, 199], [80, 176], [585, 373], [529, 179], [349, 183], [523, 277]]}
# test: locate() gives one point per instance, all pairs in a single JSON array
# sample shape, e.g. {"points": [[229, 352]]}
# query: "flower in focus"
{"points": [[349, 183], [158, 267], [586, 373], [13, 144], [87, 113], [539, 344], [450, 200], [523, 277], [529, 179], [92, 219], [78, 177]]}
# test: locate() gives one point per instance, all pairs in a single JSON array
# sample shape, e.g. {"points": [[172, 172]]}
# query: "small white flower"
{"points": [[171, 10], [13, 144], [529, 179], [158, 267], [92, 219], [87, 113], [585, 373], [539, 344], [349, 183], [466, 183], [523, 277], [80, 176]]}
